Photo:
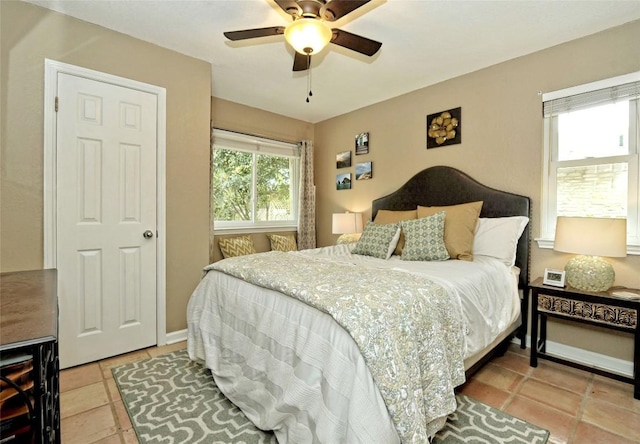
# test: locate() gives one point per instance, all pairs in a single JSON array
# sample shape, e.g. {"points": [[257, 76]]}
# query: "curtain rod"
{"points": [[255, 135]]}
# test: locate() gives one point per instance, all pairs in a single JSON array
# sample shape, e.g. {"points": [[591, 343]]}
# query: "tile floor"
{"points": [[575, 406]]}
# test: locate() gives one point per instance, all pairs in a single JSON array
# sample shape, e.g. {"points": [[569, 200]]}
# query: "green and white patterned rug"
{"points": [[171, 399]]}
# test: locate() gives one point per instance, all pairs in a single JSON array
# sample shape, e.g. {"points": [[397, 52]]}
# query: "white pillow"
{"points": [[498, 237]]}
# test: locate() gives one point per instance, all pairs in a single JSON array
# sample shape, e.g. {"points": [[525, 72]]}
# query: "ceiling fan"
{"points": [[309, 33]]}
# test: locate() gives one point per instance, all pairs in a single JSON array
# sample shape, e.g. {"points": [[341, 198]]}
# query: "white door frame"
{"points": [[51, 70]]}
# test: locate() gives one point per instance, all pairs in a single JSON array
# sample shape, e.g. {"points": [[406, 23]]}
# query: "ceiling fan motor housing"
{"points": [[311, 9]]}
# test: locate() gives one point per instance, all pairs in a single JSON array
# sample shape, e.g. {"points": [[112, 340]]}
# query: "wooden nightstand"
{"points": [[602, 309]]}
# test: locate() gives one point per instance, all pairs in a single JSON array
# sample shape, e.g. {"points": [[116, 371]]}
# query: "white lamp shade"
{"points": [[592, 236], [346, 223], [308, 36]]}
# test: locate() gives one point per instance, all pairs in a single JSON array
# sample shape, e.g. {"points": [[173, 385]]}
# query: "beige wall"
{"points": [[501, 143], [29, 34], [232, 116]]}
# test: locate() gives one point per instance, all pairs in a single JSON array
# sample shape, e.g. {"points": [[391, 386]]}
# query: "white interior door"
{"points": [[105, 219]]}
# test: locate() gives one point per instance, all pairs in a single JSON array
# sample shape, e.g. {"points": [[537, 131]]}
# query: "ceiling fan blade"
{"points": [[355, 42], [254, 33], [336, 9], [291, 7], [301, 62]]}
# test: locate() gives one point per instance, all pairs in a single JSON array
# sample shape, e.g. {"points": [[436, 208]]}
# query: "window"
{"points": [[255, 182], [591, 154]]}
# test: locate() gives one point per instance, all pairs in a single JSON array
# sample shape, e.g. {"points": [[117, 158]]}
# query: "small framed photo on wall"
{"points": [[362, 143], [343, 160], [343, 181], [364, 171]]}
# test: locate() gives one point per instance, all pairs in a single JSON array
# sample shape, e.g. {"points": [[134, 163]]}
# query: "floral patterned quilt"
{"points": [[408, 328]]}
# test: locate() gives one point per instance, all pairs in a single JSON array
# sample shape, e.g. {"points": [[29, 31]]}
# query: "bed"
{"points": [[337, 345]]}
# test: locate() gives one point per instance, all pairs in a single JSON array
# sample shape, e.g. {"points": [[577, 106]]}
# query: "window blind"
{"points": [[252, 144], [591, 98]]}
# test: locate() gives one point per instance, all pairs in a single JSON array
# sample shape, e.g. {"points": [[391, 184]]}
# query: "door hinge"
{"points": [[56, 104]]}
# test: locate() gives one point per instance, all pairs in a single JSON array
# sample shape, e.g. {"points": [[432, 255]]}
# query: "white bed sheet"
{"points": [[269, 352]]}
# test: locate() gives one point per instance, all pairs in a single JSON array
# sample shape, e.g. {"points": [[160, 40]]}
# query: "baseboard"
{"points": [[586, 357], [176, 336]]}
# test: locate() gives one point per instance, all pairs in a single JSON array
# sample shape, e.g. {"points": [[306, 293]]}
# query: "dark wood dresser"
{"points": [[30, 391]]}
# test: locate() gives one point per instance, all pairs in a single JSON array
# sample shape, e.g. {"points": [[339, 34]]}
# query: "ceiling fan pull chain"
{"points": [[309, 76]]}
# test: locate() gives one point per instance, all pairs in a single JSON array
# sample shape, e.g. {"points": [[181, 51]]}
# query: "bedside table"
{"points": [[593, 308]]}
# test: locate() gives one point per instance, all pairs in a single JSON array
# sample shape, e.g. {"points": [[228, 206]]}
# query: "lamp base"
{"points": [[589, 273]]}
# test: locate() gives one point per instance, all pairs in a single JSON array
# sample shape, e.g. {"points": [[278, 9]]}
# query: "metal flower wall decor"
{"points": [[444, 128]]}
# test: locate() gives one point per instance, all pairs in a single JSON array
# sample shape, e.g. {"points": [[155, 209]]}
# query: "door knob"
{"points": [[148, 234]]}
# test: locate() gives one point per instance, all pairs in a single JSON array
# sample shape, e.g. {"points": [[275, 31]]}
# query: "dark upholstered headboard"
{"points": [[442, 185]]}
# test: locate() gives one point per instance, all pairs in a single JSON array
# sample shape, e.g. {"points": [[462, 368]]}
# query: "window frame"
{"points": [[255, 145], [550, 165]]}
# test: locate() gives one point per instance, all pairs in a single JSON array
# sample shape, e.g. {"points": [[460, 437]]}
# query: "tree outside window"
{"points": [[253, 189]]}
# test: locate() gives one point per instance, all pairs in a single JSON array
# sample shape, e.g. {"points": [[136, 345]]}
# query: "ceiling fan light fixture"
{"points": [[308, 35]]}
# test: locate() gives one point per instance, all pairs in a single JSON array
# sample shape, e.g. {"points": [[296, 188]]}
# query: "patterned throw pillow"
{"points": [[459, 228], [378, 240], [236, 246], [424, 239], [285, 242], [391, 217]]}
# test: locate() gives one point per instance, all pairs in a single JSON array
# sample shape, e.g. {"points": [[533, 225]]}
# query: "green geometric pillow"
{"points": [[378, 240], [424, 239]]}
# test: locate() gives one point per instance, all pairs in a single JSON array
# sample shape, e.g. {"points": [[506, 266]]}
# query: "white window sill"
{"points": [[248, 230]]}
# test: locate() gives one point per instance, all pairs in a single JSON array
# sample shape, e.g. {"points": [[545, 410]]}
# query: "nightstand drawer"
{"points": [[607, 314]]}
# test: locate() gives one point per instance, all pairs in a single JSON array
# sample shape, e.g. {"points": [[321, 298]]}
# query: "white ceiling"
{"points": [[423, 42]]}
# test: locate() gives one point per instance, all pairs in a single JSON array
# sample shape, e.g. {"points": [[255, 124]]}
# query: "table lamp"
{"points": [[348, 225], [591, 238]]}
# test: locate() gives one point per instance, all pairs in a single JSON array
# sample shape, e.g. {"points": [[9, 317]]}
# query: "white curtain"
{"points": [[307, 203]]}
